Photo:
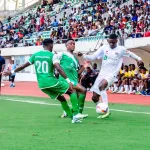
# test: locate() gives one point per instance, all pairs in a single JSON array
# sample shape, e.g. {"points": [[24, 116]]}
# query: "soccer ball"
{"points": [[101, 108]]}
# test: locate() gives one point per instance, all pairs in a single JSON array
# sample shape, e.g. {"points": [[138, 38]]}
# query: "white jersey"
{"points": [[112, 59]]}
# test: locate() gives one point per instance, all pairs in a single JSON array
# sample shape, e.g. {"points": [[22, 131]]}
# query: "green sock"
{"points": [[81, 102], [74, 102], [66, 108]]}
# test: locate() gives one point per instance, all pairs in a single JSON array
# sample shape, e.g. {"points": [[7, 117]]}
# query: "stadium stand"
{"points": [[83, 20]]}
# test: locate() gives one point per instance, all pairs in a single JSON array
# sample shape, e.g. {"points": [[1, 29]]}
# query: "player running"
{"points": [[69, 63], [112, 59], [47, 82]]}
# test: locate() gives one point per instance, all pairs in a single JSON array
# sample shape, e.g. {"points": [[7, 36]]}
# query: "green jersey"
{"points": [[69, 64], [43, 62]]}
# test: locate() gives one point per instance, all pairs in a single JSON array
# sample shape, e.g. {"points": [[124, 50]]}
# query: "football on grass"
{"points": [[101, 108]]}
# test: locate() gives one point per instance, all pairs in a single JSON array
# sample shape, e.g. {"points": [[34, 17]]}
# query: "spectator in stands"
{"points": [[129, 21]]}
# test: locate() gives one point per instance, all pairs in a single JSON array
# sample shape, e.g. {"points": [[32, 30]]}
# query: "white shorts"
{"points": [[95, 87]]}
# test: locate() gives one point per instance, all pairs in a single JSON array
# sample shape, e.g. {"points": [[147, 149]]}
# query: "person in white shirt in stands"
{"points": [[112, 59]]}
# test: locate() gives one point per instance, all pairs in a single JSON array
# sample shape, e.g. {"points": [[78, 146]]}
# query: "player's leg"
{"points": [[130, 85], [103, 85], [126, 84], [82, 95], [122, 86], [65, 106]]}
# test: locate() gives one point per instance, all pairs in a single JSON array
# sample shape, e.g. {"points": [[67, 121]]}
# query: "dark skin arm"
{"points": [[21, 67], [62, 73], [60, 70]]}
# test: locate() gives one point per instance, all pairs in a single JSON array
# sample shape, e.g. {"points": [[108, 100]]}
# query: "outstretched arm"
{"points": [[132, 55], [97, 55], [21, 67]]}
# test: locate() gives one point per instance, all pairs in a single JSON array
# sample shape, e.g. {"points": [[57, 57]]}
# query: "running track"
{"points": [[31, 89]]}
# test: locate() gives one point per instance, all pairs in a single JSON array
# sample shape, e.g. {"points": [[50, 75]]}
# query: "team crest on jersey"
{"points": [[105, 57]]}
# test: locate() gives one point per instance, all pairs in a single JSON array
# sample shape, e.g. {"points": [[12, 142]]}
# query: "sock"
{"points": [[137, 89], [97, 102], [115, 85], [126, 88], [74, 102], [81, 102], [104, 97], [66, 108], [130, 87], [121, 89]]}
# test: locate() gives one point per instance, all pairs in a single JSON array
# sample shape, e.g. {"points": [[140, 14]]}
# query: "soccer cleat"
{"points": [[77, 118], [143, 93], [148, 94], [76, 121], [64, 115], [106, 115], [84, 115], [138, 93]]}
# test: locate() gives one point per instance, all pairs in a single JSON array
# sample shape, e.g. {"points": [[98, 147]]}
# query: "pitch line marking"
{"points": [[50, 104]]}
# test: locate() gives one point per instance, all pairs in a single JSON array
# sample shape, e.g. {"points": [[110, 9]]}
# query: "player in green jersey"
{"points": [[48, 83], [70, 64]]}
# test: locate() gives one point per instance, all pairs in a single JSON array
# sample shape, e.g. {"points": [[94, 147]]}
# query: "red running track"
{"points": [[31, 89]]}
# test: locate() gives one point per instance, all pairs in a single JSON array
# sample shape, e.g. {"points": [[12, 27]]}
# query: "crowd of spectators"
{"points": [[132, 80], [129, 21]]}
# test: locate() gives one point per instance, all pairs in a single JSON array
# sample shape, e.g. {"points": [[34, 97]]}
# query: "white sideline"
{"points": [[44, 103]]}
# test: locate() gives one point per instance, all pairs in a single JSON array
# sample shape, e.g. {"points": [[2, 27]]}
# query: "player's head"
{"points": [[88, 69], [112, 40], [70, 45], [48, 44], [132, 66], [94, 66], [126, 68], [143, 70]]}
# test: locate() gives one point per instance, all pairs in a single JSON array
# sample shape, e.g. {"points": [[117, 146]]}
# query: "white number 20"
{"points": [[42, 67]]}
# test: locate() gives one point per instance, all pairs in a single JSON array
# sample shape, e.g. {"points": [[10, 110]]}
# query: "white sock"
{"points": [[104, 97], [112, 89], [121, 89], [130, 87], [126, 88], [137, 88], [97, 102], [115, 85]]}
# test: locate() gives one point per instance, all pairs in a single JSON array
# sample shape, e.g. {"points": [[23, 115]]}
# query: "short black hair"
{"points": [[143, 68], [46, 42], [88, 68], [113, 36], [69, 40]]}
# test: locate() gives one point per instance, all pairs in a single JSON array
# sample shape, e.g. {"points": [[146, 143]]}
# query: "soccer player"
{"points": [[112, 59], [47, 82], [69, 63]]}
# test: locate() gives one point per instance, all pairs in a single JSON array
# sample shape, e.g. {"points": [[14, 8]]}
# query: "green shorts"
{"points": [[72, 81], [59, 89]]}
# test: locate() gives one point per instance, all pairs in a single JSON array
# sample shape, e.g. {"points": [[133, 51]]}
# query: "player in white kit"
{"points": [[112, 59]]}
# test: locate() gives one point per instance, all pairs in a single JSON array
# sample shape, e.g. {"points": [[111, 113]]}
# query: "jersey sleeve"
{"points": [[31, 59], [132, 55], [57, 58], [97, 55]]}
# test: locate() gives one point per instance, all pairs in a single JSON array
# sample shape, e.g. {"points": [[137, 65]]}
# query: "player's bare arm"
{"points": [[63, 74], [21, 67]]}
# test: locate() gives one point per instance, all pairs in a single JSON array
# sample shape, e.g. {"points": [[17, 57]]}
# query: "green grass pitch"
{"points": [[30, 126]]}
